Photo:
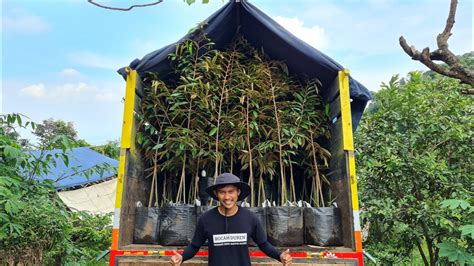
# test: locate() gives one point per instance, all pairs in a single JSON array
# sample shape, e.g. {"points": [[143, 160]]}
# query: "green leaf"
{"points": [[455, 203], [455, 253], [18, 117], [213, 131], [158, 146], [467, 230]]}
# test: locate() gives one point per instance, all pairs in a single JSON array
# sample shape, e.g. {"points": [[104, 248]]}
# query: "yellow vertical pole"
{"points": [[124, 145], [346, 118]]}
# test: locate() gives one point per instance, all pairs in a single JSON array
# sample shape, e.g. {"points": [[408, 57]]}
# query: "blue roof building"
{"points": [[80, 160]]}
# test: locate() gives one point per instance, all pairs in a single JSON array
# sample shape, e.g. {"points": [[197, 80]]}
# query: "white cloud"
{"points": [[69, 72], [73, 92], [144, 46], [35, 91], [21, 22], [70, 91], [63, 92], [107, 96], [315, 35], [91, 59]]}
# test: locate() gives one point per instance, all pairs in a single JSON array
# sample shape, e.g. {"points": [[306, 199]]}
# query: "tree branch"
{"points": [[454, 68], [422, 253], [124, 9]]}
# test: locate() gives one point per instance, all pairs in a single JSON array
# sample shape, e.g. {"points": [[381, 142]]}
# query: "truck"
{"points": [[345, 97]]}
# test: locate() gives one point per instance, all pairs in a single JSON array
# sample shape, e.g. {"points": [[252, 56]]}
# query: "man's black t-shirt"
{"points": [[228, 238]]}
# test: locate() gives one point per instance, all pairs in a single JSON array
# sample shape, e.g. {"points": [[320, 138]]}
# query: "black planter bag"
{"points": [[147, 225], [285, 226], [262, 217], [322, 226], [177, 224]]}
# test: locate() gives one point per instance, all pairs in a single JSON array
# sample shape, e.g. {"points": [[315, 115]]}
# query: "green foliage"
{"points": [[88, 236], [111, 149], [415, 154], [190, 2], [48, 131], [455, 253], [35, 226], [459, 249]]}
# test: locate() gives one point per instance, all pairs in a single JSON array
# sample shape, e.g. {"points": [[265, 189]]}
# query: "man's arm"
{"points": [[190, 251], [260, 237], [270, 250]]}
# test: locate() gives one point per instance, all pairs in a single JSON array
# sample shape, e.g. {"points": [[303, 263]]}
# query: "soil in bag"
{"points": [[147, 225], [261, 215], [285, 226], [178, 222], [323, 226]]}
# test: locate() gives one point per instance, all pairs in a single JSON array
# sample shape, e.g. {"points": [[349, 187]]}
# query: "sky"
{"points": [[59, 57]]}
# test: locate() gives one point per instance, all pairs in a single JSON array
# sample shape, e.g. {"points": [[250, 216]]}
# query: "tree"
{"points": [[36, 228], [111, 149], [48, 131], [415, 152], [454, 68]]}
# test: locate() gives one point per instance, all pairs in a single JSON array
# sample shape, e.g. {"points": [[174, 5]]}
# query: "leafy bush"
{"points": [[35, 226], [415, 151]]}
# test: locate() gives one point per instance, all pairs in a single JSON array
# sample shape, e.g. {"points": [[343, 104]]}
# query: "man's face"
{"points": [[228, 196]]}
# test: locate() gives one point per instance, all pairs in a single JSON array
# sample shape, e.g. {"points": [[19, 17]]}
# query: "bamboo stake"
{"points": [[319, 191], [181, 193], [153, 180], [227, 76], [261, 191], [196, 180], [292, 180], [280, 148], [251, 182], [231, 162], [165, 183]]}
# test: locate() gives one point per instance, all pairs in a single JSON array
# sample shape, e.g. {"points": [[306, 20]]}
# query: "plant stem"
{"points": [[153, 181], [292, 181], [318, 192], [280, 148], [251, 182], [227, 76]]}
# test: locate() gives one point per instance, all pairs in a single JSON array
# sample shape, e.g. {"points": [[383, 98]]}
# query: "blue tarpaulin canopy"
{"points": [[261, 31], [80, 159]]}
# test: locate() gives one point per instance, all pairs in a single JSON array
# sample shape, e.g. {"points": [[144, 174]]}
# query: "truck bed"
{"points": [[138, 255]]}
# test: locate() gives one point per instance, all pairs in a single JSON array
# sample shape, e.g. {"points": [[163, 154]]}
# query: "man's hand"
{"points": [[285, 257], [176, 259]]}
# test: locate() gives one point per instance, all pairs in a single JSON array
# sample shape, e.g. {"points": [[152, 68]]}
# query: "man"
{"points": [[228, 227]]}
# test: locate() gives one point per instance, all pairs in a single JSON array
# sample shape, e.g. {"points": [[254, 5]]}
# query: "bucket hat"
{"points": [[229, 179]]}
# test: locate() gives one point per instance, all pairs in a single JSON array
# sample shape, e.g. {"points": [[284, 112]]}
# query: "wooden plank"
{"points": [[340, 182]]}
